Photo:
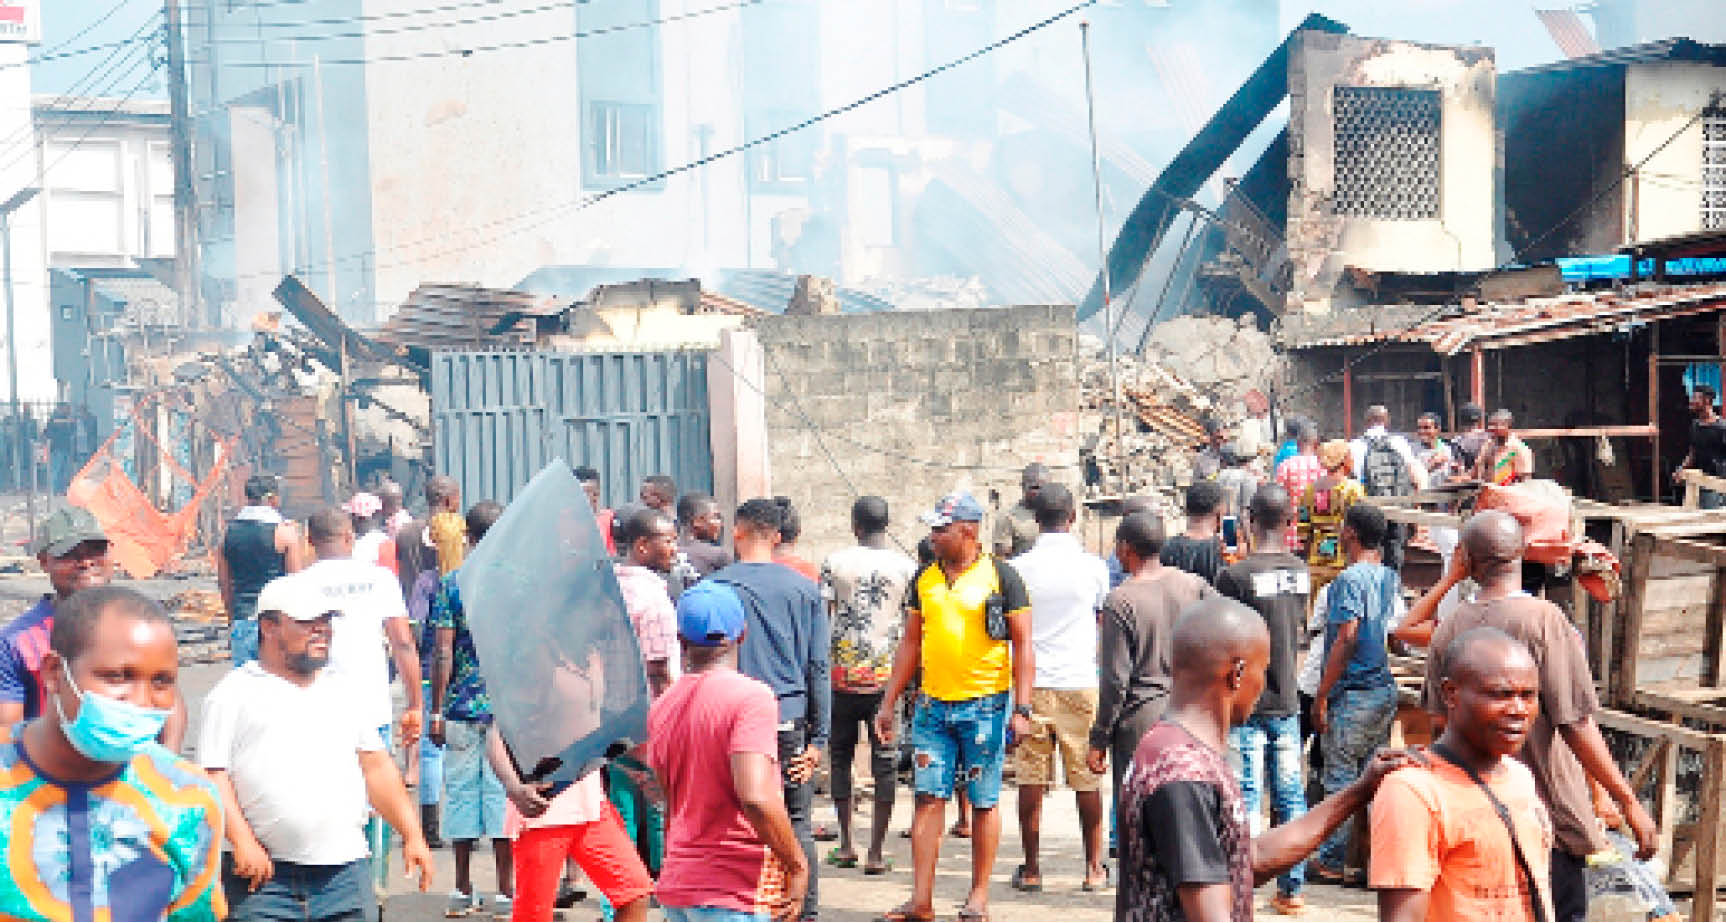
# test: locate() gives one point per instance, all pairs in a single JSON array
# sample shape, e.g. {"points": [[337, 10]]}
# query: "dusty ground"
{"points": [[845, 894]]}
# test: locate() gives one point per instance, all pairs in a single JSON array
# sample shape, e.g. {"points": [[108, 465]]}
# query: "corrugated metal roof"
{"points": [[462, 317], [1669, 49], [1568, 32], [1491, 326], [148, 302]]}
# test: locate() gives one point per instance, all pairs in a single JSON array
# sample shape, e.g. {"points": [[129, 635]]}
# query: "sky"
{"points": [[1508, 25], [108, 71]]}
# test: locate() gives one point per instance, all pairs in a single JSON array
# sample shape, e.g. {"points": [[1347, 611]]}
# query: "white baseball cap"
{"points": [[295, 598]]}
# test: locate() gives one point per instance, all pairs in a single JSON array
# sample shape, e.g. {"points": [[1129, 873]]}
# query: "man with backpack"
{"points": [[1386, 466]]}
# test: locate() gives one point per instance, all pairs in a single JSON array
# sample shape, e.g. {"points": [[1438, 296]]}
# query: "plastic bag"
{"points": [[1616, 873], [1543, 508], [555, 643]]}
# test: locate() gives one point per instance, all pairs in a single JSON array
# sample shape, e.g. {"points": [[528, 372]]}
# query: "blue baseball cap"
{"points": [[955, 507], [709, 613]]}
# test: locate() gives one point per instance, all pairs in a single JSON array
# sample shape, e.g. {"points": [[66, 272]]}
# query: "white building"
{"points": [[478, 146]]}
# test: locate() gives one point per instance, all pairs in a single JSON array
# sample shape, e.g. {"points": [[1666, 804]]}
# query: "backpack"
{"points": [[1385, 474]]}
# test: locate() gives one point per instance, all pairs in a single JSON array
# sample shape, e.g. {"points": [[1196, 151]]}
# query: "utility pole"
{"points": [[1103, 260], [22, 454], [185, 192]]}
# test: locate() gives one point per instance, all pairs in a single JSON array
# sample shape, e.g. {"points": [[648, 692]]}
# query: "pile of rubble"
{"points": [[1192, 368]]}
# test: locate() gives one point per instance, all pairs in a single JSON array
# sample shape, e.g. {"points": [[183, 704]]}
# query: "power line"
{"points": [[556, 6], [512, 45], [547, 213], [78, 87], [101, 123], [382, 17], [117, 7], [74, 53]]}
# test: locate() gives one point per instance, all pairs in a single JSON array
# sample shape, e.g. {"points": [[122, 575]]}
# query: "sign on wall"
{"points": [[20, 21]]}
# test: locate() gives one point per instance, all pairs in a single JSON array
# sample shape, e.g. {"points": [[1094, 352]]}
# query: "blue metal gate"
{"points": [[498, 417]]}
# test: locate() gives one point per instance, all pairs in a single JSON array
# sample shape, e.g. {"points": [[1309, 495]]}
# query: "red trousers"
{"points": [[603, 851]]}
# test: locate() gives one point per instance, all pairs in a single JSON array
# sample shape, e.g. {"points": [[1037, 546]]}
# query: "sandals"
{"points": [[1107, 883], [882, 869], [969, 914], [825, 833], [905, 914], [836, 859], [1020, 884]]}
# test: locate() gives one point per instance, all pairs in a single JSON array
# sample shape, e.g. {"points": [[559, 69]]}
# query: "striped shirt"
{"points": [[1296, 475], [22, 643]]}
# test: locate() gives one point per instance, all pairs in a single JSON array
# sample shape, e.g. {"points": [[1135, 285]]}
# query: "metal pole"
{"points": [[20, 452], [1103, 257], [185, 192]]}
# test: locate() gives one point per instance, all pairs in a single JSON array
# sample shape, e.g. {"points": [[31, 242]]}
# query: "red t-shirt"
{"points": [[713, 856]]}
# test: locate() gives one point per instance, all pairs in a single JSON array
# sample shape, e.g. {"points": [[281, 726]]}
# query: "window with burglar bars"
{"points": [[1714, 169], [1386, 153]]}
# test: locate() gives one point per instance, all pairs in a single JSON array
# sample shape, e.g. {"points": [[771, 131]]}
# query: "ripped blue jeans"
{"points": [[960, 743], [1359, 724], [1277, 737]]}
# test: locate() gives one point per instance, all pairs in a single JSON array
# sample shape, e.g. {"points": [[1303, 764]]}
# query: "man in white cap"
{"points": [[295, 764]]}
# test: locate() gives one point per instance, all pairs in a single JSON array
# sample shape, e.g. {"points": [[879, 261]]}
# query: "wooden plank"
{"points": [[1714, 715], [1655, 730], [1708, 830], [1422, 517], [1713, 625], [1691, 550], [1704, 524], [1642, 430], [1695, 482], [1689, 592], [1651, 762], [1666, 807], [1629, 649]]}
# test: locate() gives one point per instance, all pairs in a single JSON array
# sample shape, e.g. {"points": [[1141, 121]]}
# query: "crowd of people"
{"points": [[1191, 689]]}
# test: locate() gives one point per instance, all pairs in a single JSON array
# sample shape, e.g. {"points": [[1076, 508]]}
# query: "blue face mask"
{"points": [[108, 730]]}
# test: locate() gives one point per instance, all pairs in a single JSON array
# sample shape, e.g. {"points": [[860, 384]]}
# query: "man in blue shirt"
{"points": [[786, 647], [1356, 696]]}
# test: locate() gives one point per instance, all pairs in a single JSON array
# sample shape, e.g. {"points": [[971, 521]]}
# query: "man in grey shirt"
{"points": [[1134, 642]]}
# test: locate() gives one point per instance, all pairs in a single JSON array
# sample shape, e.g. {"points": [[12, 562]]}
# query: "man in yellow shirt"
{"points": [[968, 626]]}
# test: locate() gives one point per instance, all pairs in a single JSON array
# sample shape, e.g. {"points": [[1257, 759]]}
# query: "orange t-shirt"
{"points": [[1434, 830]]}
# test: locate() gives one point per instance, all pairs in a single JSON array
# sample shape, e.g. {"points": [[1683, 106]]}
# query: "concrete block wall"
{"points": [[883, 394]]}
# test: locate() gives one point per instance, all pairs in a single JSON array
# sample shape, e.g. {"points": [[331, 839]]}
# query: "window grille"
{"points": [[1387, 153], [1714, 169]]}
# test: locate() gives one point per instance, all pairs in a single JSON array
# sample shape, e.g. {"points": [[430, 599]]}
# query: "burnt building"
{"points": [[1573, 128]]}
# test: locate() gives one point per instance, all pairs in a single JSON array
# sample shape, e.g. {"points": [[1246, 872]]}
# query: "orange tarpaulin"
{"points": [[143, 539]]}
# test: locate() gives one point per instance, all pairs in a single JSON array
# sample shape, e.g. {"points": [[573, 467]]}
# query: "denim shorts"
{"points": [[473, 801], [960, 743], [243, 641], [712, 915]]}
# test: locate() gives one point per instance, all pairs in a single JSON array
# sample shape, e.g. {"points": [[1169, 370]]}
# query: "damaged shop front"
{"points": [[1598, 380]]}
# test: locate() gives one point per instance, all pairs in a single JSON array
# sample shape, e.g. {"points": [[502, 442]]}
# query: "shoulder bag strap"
{"points": [[1535, 903]]}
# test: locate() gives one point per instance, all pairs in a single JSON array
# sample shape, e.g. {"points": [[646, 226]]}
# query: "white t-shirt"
{"points": [[581, 803], [366, 547], [1357, 456], [367, 596], [292, 753], [1067, 585]]}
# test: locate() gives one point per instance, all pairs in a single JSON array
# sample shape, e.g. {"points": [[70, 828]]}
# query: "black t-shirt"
{"points": [[1184, 823], [1201, 556], [706, 557], [1277, 586], [1708, 447]]}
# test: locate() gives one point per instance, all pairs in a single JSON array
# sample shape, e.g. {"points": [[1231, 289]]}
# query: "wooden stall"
{"points": [[1657, 655]]}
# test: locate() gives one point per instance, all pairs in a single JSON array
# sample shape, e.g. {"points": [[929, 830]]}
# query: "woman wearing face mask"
{"points": [[116, 824]]}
